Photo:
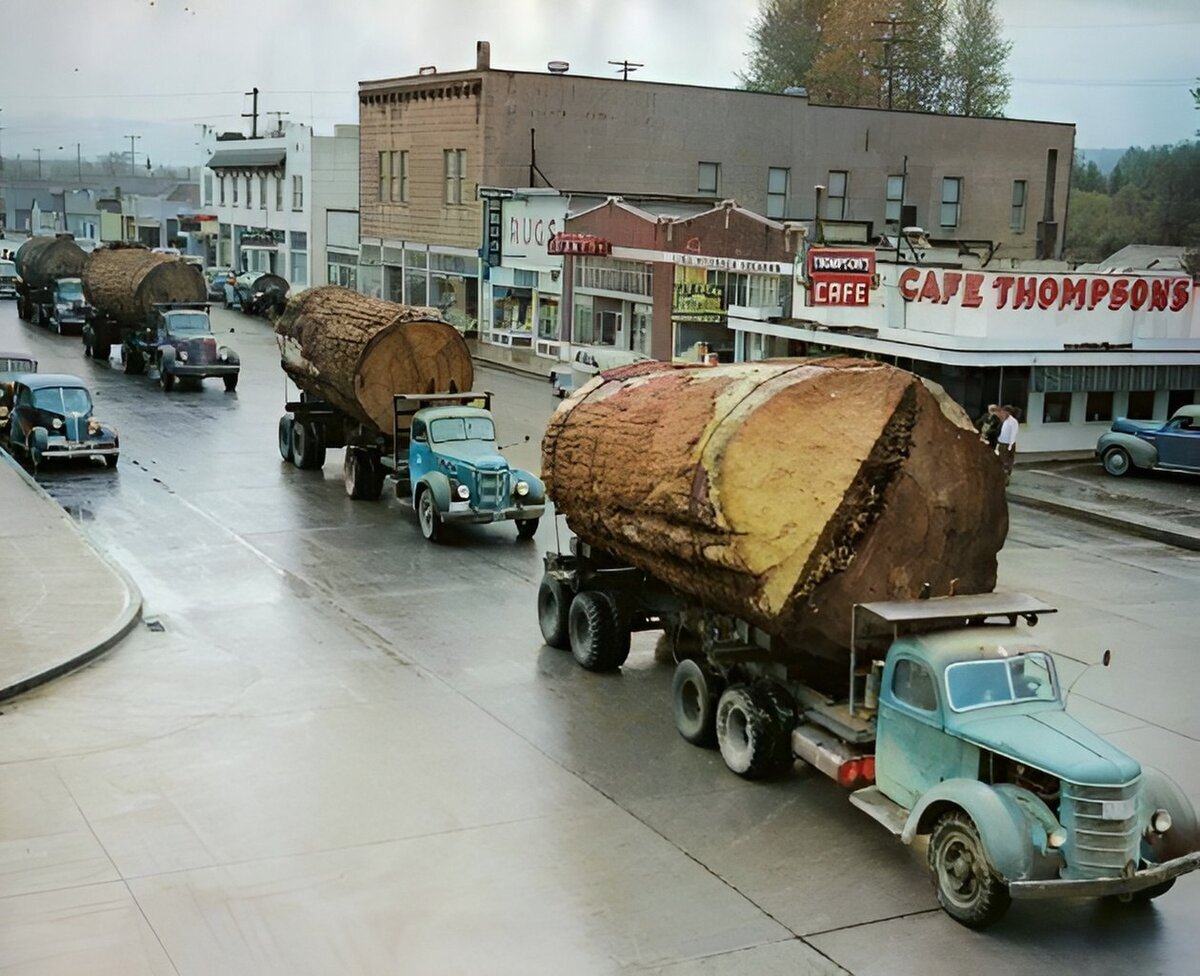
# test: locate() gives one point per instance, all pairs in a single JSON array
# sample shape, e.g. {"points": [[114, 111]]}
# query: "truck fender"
{"points": [[537, 490], [166, 358], [439, 484], [1013, 831], [1142, 453], [231, 357], [1160, 792]]}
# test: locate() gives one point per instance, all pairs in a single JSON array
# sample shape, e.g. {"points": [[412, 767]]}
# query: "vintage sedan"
{"points": [[12, 364], [52, 418], [1173, 446]]}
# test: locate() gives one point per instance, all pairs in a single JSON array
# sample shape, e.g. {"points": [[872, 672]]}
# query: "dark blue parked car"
{"points": [[1173, 446], [52, 418]]}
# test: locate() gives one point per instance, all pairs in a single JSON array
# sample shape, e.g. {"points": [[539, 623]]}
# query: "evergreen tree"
{"points": [[785, 39], [977, 82]]}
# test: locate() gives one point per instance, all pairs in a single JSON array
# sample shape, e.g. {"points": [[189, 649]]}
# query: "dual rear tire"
{"points": [[589, 624], [300, 442]]}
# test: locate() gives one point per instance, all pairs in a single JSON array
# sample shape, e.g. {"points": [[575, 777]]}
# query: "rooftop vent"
{"points": [[796, 90], [558, 67], [427, 69]]}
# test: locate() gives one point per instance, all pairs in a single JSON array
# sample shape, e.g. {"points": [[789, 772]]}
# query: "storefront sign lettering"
{"points": [[1048, 292], [698, 302], [730, 264], [579, 244], [530, 230], [840, 277]]}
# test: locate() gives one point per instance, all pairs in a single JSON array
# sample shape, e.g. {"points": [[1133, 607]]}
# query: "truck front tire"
{"points": [[599, 642], [967, 888], [362, 474], [752, 740], [428, 515], [554, 607], [695, 691]]}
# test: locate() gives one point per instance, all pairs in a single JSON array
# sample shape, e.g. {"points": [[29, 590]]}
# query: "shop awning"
{"points": [[253, 158]]}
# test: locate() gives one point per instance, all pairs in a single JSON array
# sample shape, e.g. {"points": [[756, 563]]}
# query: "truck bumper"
{"points": [[208, 369], [1095, 887], [467, 514]]}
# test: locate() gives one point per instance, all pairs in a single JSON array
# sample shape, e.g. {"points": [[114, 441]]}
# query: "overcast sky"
{"points": [[93, 71]]}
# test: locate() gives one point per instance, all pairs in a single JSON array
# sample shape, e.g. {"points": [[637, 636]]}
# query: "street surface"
{"points": [[345, 750]]}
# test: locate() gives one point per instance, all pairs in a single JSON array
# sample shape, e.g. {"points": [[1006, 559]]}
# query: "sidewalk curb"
{"points": [[125, 623], [510, 368], [1166, 536]]}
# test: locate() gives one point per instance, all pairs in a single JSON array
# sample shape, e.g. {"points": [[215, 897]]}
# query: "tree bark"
{"points": [[355, 352], [126, 282], [43, 260], [781, 492]]}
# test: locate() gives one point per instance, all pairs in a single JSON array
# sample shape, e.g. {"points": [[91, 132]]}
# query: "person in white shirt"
{"points": [[1006, 443]]}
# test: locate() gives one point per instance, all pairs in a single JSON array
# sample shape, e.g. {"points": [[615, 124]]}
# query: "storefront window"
{"points": [[1141, 405], [370, 280], [512, 309], [548, 322], [1056, 408], [393, 284], [1099, 406], [343, 270], [456, 296], [582, 331], [416, 280]]}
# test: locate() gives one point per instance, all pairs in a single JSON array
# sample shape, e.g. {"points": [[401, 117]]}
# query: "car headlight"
{"points": [[1056, 839], [224, 354], [463, 492], [522, 488], [183, 355], [93, 427], [56, 424]]}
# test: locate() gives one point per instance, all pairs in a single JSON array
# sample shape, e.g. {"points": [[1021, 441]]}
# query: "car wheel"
{"points": [[527, 528], [1117, 462], [553, 607], [695, 691], [39, 440], [231, 382], [110, 460], [285, 436], [428, 515], [967, 888]]}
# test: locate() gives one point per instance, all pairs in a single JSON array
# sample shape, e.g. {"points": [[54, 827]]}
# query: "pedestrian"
{"points": [[989, 425], [1006, 441]]}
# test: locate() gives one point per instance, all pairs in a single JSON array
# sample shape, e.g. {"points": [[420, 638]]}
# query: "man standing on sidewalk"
{"points": [[1006, 443]]}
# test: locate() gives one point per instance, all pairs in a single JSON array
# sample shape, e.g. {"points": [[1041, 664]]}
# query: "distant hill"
{"points": [[1105, 159]]}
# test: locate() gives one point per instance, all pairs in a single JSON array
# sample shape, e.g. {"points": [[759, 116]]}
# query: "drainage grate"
{"points": [[156, 625]]}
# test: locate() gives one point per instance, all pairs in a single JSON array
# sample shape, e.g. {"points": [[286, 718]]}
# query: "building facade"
{"points": [[284, 202]]}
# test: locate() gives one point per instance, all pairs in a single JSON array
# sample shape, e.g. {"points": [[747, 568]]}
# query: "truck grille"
{"points": [[493, 489], [201, 352], [1103, 829]]}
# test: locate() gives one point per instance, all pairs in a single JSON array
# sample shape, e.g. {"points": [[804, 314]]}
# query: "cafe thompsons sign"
{"points": [[838, 276], [1048, 292]]}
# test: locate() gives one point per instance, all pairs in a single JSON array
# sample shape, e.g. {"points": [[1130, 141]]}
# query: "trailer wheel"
{"points": [[695, 691], [967, 888], [554, 607], [285, 436], [231, 382], [362, 474], [595, 630], [752, 740], [308, 453]]}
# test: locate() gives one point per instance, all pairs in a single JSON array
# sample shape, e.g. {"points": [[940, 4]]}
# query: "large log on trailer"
{"points": [[41, 261], [125, 282], [781, 492], [355, 352]]}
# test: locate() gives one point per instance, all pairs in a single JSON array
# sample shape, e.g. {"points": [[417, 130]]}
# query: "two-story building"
{"points": [[286, 202]]}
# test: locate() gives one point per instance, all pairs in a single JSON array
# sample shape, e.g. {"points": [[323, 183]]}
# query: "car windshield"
{"points": [[70, 289], [187, 323], [67, 401], [981, 684], [462, 429]]}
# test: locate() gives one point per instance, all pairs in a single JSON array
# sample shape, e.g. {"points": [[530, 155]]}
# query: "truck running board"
{"points": [[878, 807]]}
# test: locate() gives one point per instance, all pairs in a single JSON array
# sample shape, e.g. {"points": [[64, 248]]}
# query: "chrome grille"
{"points": [[493, 489], [1102, 828]]}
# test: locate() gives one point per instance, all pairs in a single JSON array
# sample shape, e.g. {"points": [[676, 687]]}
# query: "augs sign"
{"points": [[838, 276]]}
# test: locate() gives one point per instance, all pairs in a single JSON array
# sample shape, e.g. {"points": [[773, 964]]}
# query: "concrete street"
{"points": [[344, 750]]}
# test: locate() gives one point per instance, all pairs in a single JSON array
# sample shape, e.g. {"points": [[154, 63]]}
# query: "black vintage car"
{"points": [[179, 343], [52, 418]]}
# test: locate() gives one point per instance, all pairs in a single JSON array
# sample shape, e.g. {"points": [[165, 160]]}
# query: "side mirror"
{"points": [[1106, 659]]}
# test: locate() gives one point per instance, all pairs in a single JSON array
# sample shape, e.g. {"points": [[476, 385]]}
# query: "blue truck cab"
{"points": [[178, 341]]}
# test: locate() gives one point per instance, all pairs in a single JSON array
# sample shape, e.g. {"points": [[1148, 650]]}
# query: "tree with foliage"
{"points": [[976, 80], [786, 36]]}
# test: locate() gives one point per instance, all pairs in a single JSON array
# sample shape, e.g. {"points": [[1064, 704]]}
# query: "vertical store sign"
{"points": [[838, 276]]}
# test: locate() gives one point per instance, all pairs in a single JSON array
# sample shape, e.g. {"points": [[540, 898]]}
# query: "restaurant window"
{"points": [[1141, 405], [1099, 406], [1017, 221], [835, 204], [455, 165], [895, 199], [951, 201], [1056, 408], [708, 180], [777, 191]]}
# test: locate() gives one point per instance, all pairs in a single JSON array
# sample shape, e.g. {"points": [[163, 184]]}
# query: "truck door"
{"points": [[912, 752]]}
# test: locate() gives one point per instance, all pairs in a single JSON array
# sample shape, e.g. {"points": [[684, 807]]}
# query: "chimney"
{"points": [[483, 56]]}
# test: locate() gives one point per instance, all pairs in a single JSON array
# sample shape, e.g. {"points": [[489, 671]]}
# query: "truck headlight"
{"points": [[183, 355], [1160, 822], [1056, 839], [463, 492], [56, 424], [522, 488], [224, 355], [93, 426]]}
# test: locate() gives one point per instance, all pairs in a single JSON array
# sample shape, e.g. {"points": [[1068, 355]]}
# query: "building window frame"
{"points": [[221, 191], [234, 181], [951, 209], [779, 180], [398, 189], [297, 192], [1099, 407], [893, 192], [1020, 196], [262, 191], [708, 178], [454, 163], [837, 189], [1056, 407]]}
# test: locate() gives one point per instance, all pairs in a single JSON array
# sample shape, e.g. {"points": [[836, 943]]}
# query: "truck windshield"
{"points": [[187, 323], [462, 429], [70, 289], [67, 401], [981, 684], [7, 268]]}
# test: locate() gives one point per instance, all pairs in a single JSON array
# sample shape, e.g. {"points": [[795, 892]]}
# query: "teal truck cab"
{"points": [[441, 455], [952, 726]]}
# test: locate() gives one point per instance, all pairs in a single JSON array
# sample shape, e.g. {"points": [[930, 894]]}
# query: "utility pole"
{"points": [[39, 152], [252, 115], [624, 67], [131, 139], [889, 39], [278, 130]]}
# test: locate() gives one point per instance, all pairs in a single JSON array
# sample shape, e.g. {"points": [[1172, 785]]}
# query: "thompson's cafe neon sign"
{"points": [[1050, 292]]}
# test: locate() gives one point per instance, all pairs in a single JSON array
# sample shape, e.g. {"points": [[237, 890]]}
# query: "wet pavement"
{"points": [[346, 749]]}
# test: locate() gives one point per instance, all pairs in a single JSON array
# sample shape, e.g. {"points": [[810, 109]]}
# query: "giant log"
{"points": [[41, 261], [124, 282], [781, 492], [355, 352]]}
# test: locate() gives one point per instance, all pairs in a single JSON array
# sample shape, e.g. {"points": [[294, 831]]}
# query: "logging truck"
{"points": [[49, 290], [786, 525], [440, 453]]}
